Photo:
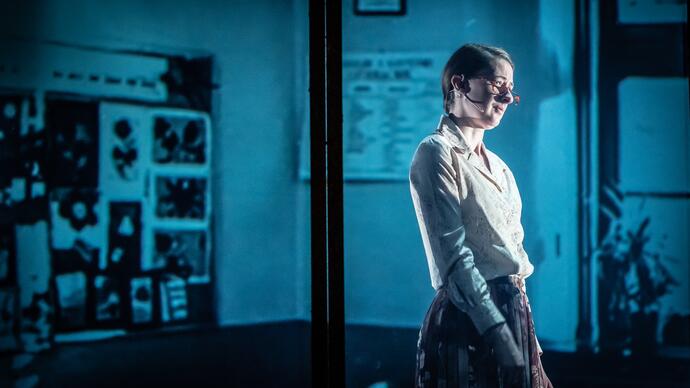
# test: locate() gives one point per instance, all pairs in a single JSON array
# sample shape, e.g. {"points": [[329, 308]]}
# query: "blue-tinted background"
{"points": [[247, 64]]}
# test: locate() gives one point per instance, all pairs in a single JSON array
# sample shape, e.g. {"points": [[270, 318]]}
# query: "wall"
{"points": [[255, 196], [262, 209]]}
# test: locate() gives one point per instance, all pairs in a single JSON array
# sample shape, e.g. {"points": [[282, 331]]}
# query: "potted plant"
{"points": [[632, 280]]}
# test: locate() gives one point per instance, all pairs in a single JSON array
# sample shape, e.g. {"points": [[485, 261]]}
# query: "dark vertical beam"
{"points": [[317, 125], [326, 123], [609, 77], [583, 93], [334, 127]]}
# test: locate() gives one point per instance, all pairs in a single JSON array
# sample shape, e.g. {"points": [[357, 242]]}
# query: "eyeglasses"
{"points": [[500, 88]]}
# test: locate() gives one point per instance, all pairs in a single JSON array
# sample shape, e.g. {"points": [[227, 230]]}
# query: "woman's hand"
{"points": [[506, 351]]}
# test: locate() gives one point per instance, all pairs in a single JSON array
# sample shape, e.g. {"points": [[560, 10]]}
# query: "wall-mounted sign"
{"points": [[390, 102]]}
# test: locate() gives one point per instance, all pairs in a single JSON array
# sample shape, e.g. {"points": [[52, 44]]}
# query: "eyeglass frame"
{"points": [[516, 97]]}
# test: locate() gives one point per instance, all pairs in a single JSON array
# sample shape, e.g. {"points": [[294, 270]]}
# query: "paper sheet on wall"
{"points": [[390, 102]]}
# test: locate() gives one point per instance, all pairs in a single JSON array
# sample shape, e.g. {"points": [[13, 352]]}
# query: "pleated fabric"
{"points": [[451, 353]]}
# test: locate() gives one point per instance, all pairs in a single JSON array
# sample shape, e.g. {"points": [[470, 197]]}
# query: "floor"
{"points": [[276, 355]]}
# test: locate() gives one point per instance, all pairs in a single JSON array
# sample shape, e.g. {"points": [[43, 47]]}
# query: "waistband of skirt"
{"points": [[515, 280]]}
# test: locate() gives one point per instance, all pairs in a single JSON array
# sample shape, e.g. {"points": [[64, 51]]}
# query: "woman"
{"points": [[478, 331]]}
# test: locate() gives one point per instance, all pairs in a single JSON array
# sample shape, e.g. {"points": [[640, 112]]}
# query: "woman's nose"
{"points": [[506, 98]]}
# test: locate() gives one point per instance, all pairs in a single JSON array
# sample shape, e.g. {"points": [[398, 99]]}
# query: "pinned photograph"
{"points": [[183, 253], [76, 226], [71, 298], [107, 298], [77, 207], [141, 295], [173, 299], [8, 338], [123, 154], [73, 126], [181, 197], [124, 235], [179, 139]]}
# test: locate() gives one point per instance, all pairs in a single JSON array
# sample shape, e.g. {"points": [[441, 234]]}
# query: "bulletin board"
{"points": [[105, 195], [130, 224]]}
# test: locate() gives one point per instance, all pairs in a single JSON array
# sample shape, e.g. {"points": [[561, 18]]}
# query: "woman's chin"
{"points": [[483, 122], [492, 122]]}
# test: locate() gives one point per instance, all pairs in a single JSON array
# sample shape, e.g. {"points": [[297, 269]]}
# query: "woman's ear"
{"points": [[459, 83]]}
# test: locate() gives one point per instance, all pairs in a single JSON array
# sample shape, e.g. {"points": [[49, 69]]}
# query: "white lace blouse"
{"points": [[469, 218]]}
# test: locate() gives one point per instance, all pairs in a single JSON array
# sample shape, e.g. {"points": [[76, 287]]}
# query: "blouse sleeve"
{"points": [[436, 197]]}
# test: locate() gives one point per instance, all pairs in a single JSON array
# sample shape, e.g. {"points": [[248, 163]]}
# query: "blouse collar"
{"points": [[448, 129], [452, 132]]}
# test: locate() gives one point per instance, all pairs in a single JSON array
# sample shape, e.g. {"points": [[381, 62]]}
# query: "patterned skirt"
{"points": [[450, 351]]}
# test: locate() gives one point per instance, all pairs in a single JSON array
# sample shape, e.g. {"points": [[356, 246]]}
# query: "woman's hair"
{"points": [[470, 60]]}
